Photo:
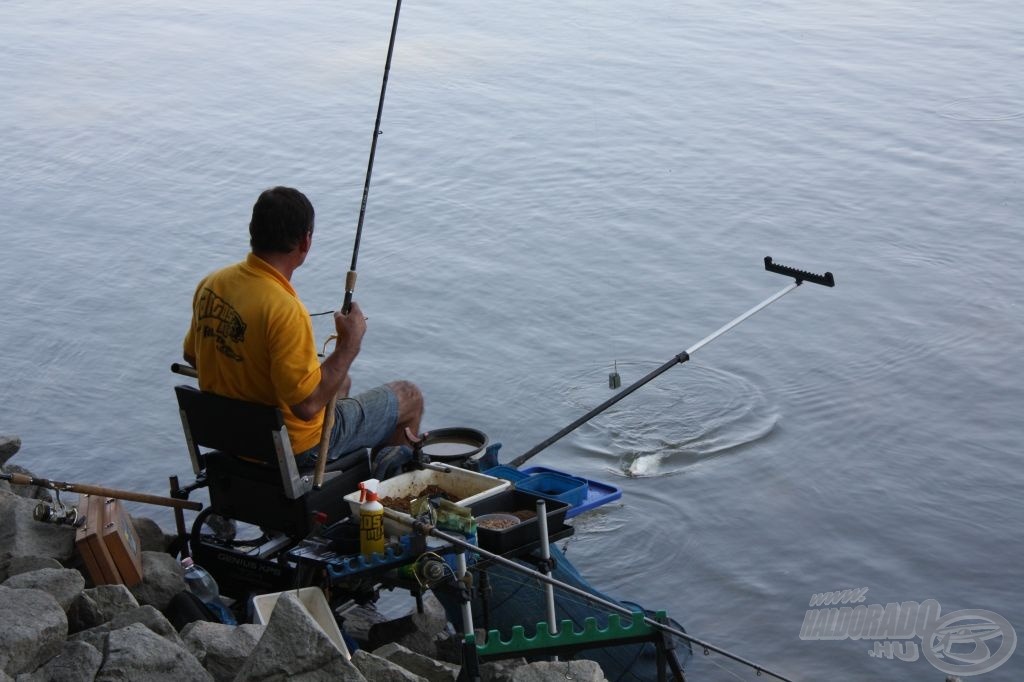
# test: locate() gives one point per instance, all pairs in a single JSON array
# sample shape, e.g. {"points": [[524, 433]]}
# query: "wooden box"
{"points": [[108, 543]]}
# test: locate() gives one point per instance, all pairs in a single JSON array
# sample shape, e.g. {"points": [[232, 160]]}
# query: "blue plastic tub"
{"points": [[507, 472], [556, 486], [597, 493]]}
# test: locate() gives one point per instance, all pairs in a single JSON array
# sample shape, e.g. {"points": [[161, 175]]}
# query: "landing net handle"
{"points": [[799, 276]]}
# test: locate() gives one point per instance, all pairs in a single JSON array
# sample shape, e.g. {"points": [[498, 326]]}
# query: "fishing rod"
{"points": [[799, 277], [427, 529], [350, 277], [100, 491]]}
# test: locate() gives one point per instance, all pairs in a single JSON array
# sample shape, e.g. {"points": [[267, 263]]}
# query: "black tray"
{"points": [[526, 532]]}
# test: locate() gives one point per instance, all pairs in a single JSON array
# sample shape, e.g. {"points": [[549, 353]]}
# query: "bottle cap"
{"points": [[368, 490]]}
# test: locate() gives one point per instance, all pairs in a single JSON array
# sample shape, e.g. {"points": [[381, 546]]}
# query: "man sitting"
{"points": [[251, 338]]}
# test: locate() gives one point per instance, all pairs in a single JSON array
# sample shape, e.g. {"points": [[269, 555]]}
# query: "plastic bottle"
{"points": [[371, 519], [204, 587]]}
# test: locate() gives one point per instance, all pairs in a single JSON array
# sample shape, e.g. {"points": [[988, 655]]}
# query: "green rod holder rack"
{"points": [[592, 633]]}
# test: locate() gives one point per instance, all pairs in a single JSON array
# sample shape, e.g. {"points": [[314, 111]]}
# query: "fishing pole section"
{"points": [[463, 547], [350, 277], [799, 277], [54, 513]]}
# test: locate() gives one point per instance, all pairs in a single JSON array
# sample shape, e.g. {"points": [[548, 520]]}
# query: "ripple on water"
{"points": [[671, 423], [982, 108]]}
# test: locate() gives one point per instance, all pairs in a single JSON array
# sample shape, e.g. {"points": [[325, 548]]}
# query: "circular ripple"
{"points": [[982, 108], [672, 423]]}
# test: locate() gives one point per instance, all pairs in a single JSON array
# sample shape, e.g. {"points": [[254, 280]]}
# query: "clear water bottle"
{"points": [[202, 585]]}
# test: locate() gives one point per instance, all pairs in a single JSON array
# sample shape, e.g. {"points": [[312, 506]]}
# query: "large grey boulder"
{"points": [[295, 647], [32, 492], [151, 535], [21, 535], [162, 578], [222, 649], [32, 629], [9, 446], [25, 564], [359, 620], [77, 662], [424, 666], [63, 584], [425, 633], [95, 637], [151, 618], [137, 653], [558, 671], [500, 670], [379, 669], [146, 615], [98, 605]]}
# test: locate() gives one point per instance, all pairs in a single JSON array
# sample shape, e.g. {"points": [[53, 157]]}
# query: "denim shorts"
{"points": [[362, 421]]}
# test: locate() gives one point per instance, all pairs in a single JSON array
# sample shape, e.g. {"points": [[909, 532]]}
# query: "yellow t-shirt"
{"points": [[253, 340]]}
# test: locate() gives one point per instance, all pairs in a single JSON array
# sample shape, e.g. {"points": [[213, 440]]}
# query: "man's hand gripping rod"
{"points": [[799, 276]]}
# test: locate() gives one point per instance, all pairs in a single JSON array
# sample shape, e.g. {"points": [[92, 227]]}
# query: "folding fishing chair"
{"points": [[242, 451]]}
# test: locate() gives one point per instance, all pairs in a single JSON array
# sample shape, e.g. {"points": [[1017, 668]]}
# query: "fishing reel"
{"points": [[429, 570], [57, 513]]}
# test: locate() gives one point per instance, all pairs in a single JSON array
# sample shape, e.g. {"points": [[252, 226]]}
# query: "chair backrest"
{"points": [[250, 468], [235, 427]]}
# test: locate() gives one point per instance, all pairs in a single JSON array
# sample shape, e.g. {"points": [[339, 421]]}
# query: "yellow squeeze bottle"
{"points": [[371, 520]]}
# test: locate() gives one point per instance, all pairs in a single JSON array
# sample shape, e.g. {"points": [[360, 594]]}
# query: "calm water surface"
{"points": [[560, 187]]}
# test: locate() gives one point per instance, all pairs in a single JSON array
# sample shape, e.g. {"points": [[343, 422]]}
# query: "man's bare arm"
{"points": [[334, 369]]}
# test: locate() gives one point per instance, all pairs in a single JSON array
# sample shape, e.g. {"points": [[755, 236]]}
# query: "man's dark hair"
{"points": [[281, 217]]}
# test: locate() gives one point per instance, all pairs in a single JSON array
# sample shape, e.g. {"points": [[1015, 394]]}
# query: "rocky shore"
{"points": [[55, 626]]}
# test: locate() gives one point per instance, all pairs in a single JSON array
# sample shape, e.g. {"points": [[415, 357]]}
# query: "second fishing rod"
{"points": [[799, 277], [350, 277]]}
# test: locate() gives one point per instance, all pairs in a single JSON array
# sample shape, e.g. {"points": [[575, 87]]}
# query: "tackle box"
{"points": [[466, 486], [108, 543], [527, 531]]}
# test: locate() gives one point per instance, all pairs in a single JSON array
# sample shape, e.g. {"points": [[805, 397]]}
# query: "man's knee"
{"points": [[410, 399]]}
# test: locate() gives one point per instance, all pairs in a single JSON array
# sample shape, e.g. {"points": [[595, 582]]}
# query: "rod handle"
{"points": [[350, 286], [800, 275], [186, 370]]}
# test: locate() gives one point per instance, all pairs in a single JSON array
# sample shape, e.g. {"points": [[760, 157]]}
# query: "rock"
{"points": [[157, 623], [137, 653], [77, 662], [163, 577], [98, 605], [419, 632], [382, 670], [360, 619], [96, 637], [558, 671], [24, 564], [222, 649], [294, 646], [151, 618], [32, 492], [151, 536], [424, 666], [63, 584], [33, 629], [501, 670], [9, 446], [21, 535]]}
